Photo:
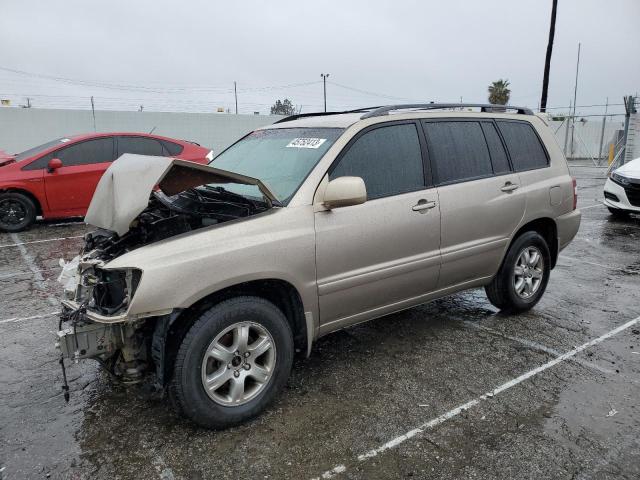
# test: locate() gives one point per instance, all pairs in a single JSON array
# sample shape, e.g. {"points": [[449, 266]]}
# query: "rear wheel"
{"points": [[523, 276], [617, 213], [232, 362], [17, 212]]}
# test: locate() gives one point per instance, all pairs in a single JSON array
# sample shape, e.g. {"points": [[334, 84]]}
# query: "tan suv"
{"points": [[213, 277]]}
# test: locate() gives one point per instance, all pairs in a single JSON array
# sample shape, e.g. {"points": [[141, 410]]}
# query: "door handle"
{"points": [[509, 187], [423, 205]]}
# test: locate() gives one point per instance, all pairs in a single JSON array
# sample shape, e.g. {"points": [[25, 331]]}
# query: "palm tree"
{"points": [[499, 92]]}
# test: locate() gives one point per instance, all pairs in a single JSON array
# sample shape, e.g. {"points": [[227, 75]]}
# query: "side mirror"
{"points": [[54, 164], [345, 191]]}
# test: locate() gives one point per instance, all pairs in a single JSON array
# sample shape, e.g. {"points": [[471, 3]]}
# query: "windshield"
{"points": [[279, 157], [40, 148]]}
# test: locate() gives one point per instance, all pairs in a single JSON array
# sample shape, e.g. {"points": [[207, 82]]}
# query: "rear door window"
{"points": [[499, 158], [525, 149], [141, 146], [388, 159], [457, 150]]}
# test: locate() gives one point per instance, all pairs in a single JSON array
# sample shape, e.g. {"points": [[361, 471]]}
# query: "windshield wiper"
{"points": [[224, 191]]}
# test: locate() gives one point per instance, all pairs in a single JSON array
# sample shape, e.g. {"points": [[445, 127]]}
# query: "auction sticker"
{"points": [[306, 142]]}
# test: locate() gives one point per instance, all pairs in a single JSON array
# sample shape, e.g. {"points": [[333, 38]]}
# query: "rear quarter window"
{"points": [[172, 148], [524, 146]]}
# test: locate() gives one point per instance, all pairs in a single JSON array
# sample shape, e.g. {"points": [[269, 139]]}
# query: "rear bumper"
{"points": [[614, 191], [568, 225]]}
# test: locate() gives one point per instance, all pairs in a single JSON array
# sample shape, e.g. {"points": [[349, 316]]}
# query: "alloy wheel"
{"points": [[12, 212], [238, 364], [528, 272]]}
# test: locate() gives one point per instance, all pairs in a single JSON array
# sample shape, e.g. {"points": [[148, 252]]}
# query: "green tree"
{"points": [[284, 107], [499, 92]]}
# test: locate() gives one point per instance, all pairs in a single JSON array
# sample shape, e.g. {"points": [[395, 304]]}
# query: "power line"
{"points": [[141, 88], [373, 94]]}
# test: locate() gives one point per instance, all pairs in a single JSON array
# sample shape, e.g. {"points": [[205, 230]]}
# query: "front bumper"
{"points": [[87, 334], [614, 190], [72, 305]]}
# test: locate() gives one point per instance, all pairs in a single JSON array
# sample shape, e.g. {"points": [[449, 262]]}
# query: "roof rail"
{"points": [[485, 107], [290, 118]]}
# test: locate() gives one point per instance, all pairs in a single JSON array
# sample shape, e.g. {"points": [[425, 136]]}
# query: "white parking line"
{"points": [[9, 245], [37, 276], [590, 263], [599, 204], [472, 403], [33, 317], [19, 273], [537, 346]]}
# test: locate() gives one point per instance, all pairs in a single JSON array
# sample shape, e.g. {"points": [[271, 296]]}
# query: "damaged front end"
{"points": [[139, 201], [93, 320]]}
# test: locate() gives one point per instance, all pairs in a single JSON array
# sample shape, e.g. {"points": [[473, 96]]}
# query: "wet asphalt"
{"points": [[361, 388]]}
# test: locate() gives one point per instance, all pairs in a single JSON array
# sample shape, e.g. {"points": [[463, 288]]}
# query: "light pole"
{"points": [[547, 60], [324, 82], [235, 94]]}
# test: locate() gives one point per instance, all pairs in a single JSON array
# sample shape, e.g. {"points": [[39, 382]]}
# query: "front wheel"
{"points": [[232, 362], [17, 212], [523, 275]]}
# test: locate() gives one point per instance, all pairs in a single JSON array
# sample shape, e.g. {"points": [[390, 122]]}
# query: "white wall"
{"points": [[23, 128]]}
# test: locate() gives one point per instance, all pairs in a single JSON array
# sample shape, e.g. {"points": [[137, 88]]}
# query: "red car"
{"points": [[57, 179]]}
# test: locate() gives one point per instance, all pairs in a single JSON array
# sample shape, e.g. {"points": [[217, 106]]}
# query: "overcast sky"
{"points": [[185, 55]]}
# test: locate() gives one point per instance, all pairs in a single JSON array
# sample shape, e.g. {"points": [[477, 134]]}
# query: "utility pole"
{"points": [[566, 130], [324, 81], [93, 112], [547, 60], [235, 94], [575, 96]]}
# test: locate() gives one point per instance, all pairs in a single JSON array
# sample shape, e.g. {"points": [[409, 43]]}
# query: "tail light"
{"points": [[575, 193]]}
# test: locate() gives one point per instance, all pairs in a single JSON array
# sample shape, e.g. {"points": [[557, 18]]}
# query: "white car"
{"points": [[622, 189]]}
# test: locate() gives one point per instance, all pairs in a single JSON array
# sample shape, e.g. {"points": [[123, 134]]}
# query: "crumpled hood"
{"points": [[124, 189], [630, 169]]}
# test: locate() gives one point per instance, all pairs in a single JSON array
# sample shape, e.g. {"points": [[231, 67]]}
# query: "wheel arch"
{"points": [[170, 330], [548, 229]]}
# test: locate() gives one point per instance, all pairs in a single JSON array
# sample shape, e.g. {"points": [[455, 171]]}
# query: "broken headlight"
{"points": [[113, 289]]}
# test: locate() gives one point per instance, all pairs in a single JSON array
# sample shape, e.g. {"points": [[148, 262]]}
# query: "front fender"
{"points": [[176, 273]]}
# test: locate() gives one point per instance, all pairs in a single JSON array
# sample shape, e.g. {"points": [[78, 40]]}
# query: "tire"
{"points": [[617, 213], [17, 212], [505, 291], [221, 326]]}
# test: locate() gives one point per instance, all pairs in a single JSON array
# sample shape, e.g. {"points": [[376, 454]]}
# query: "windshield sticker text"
{"points": [[306, 142]]}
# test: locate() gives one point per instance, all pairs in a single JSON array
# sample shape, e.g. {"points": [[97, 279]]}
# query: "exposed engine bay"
{"points": [[93, 322], [169, 216]]}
